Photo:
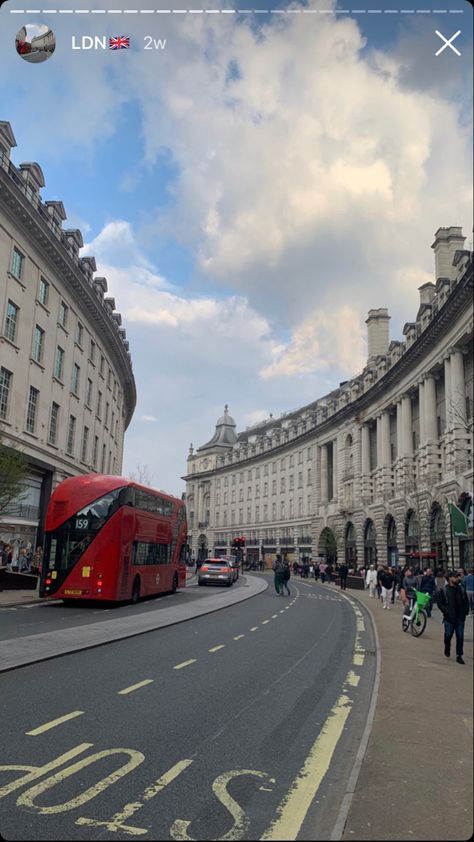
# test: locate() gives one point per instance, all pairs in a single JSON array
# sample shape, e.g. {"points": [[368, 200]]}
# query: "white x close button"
{"points": [[448, 42]]}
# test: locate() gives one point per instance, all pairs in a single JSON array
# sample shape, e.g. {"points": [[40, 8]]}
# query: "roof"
{"points": [[224, 436]]}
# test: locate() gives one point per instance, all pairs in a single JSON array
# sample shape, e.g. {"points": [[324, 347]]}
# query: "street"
{"points": [[241, 724]]}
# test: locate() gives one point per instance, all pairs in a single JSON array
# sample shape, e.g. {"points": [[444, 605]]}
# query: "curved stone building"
{"points": [[366, 472], [67, 391]]}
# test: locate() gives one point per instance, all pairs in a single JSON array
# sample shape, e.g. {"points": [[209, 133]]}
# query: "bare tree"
{"points": [[142, 475], [12, 474]]}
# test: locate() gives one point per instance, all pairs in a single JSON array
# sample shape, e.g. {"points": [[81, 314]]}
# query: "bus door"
{"points": [[124, 579]]}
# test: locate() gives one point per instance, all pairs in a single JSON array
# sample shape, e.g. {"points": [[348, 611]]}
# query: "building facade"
{"points": [[67, 391], [366, 472]]}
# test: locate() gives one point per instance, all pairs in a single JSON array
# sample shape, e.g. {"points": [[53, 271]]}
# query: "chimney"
{"points": [[427, 293], [378, 337], [447, 242]]}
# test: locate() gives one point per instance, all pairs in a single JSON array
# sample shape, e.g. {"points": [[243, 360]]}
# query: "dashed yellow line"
{"points": [[46, 727], [135, 687], [216, 648], [185, 664], [352, 678]]}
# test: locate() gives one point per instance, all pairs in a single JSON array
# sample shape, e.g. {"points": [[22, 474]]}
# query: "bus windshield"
{"points": [[65, 545]]}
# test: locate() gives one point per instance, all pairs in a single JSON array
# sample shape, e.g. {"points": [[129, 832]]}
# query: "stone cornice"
{"points": [[54, 251], [456, 303]]}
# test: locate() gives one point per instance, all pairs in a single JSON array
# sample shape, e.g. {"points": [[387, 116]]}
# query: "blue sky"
{"points": [[249, 192]]}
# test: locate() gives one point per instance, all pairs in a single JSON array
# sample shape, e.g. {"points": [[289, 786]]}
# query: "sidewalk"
{"points": [[416, 778]]}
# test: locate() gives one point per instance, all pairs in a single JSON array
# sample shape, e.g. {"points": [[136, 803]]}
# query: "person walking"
{"points": [[322, 571], [380, 570], [343, 571], [469, 583], [386, 580], [428, 585], [285, 578], [371, 580], [454, 606], [277, 567]]}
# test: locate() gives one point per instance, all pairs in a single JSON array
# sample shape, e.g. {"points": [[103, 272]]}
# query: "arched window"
{"points": [[351, 548], [466, 545], [370, 548], [392, 548], [348, 456], [438, 536]]}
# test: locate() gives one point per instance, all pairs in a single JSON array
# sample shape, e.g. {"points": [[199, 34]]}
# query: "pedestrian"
{"points": [[371, 580], [277, 567], [428, 585], [469, 583], [306, 568], [386, 580], [23, 565], [380, 570], [454, 606], [343, 571], [407, 588], [322, 571], [311, 570], [285, 577]]}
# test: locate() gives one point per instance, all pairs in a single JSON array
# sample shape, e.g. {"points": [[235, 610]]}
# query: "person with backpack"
{"points": [[277, 568], [285, 578]]}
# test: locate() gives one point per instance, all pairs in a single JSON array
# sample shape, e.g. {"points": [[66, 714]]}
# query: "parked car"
{"points": [[216, 571]]}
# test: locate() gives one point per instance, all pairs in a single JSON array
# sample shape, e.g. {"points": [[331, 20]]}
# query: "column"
{"points": [[335, 484], [324, 473], [379, 440], [365, 450], [447, 392], [399, 429], [421, 405], [458, 395], [431, 416], [385, 452], [407, 423]]}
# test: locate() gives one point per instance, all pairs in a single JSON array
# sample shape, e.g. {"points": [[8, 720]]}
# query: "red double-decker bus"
{"points": [[108, 538]]}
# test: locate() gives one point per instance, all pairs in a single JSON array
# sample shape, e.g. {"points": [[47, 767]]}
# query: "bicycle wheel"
{"points": [[405, 622], [418, 624]]}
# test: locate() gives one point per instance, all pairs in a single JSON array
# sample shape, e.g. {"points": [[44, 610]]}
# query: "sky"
{"points": [[250, 191]]}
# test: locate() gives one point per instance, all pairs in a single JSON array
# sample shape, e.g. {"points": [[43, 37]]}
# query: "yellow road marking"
{"points": [[116, 822], [254, 628], [239, 636], [135, 686], [358, 659], [185, 664], [292, 810], [215, 648], [352, 678], [54, 722]]}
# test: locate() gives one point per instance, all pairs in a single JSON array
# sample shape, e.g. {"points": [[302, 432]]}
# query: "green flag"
{"points": [[458, 522]]}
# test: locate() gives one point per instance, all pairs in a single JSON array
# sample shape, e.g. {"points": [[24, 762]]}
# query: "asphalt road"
{"points": [[242, 724]]}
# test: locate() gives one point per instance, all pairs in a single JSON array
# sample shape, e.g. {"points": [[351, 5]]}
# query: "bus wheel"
{"points": [[175, 583], [136, 591]]}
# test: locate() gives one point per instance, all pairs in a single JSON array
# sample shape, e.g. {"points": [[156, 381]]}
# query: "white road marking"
{"points": [[185, 664], [239, 636], [216, 648], [264, 622], [135, 687], [54, 722], [254, 628]]}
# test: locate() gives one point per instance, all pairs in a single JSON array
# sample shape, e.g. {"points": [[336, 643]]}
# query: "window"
{"points": [[274, 467], [53, 423], [274, 486], [265, 470], [99, 404], [59, 363], [249, 492], [63, 313], [92, 351], [308, 453], [241, 495], [38, 343], [79, 333], [218, 500], [282, 484], [292, 482], [11, 321], [149, 553], [18, 260], [257, 514], [106, 419], [43, 293], [232, 499], [109, 378], [71, 434], [76, 371], [94, 451], [102, 364], [104, 454], [291, 461], [85, 438], [300, 457], [249, 474], [308, 478], [89, 392], [257, 473], [31, 411], [300, 479], [225, 498], [112, 423], [5, 382], [265, 489]]}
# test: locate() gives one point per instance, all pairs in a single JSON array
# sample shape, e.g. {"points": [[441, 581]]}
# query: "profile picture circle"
{"points": [[35, 42]]}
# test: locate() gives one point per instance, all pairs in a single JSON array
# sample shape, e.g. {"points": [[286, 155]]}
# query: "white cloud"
{"points": [[150, 418]]}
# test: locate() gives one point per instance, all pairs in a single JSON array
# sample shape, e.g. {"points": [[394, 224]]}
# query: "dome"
{"points": [[226, 418], [225, 435]]}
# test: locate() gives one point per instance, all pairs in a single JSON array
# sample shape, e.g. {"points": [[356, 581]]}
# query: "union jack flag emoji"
{"points": [[119, 42]]}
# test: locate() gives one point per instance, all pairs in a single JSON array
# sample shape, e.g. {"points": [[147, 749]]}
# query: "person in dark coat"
{"points": [[454, 606], [428, 585], [343, 571]]}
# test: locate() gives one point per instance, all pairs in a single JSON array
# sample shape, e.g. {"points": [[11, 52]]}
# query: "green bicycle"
{"points": [[416, 616]]}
